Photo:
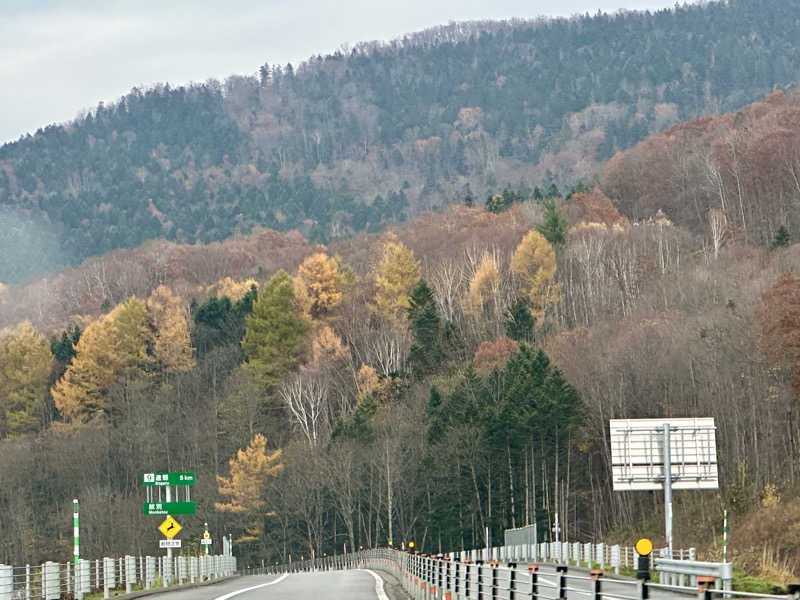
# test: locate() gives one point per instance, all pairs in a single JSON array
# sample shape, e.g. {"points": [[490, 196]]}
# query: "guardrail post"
{"points": [[27, 582], [467, 578], [705, 583], [596, 581], [642, 589], [533, 570], [6, 582], [512, 581], [562, 581], [495, 583], [794, 590], [448, 576], [106, 579], [128, 569], [479, 567], [456, 575]]}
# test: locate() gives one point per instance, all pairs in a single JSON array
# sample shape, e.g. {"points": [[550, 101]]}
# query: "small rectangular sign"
{"points": [[169, 508], [169, 543], [172, 478], [206, 541]]}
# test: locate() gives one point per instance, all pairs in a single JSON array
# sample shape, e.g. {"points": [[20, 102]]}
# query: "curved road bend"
{"points": [[327, 585]]}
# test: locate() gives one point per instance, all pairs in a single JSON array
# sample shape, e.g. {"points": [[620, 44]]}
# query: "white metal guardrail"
{"points": [[446, 578], [54, 581], [721, 572]]}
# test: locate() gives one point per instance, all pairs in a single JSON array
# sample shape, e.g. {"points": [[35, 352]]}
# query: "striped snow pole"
{"points": [[76, 552], [725, 536]]}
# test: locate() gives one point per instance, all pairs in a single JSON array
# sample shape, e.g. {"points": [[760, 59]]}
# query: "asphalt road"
{"points": [[328, 585]]}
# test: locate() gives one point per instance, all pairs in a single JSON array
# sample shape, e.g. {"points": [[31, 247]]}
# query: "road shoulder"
{"points": [[392, 585]]}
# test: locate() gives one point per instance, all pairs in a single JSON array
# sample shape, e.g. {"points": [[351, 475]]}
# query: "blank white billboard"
{"points": [[637, 454]]}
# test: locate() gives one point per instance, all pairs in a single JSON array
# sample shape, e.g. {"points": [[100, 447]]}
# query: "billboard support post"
{"points": [[667, 490]]}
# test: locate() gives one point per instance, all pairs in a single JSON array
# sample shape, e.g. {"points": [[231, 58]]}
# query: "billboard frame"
{"points": [[645, 455]]}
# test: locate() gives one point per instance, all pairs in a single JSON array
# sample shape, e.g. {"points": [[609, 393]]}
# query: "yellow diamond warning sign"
{"points": [[170, 528]]}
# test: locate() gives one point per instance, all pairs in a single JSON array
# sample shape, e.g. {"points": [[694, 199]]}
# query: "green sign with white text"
{"points": [[174, 478], [169, 508]]}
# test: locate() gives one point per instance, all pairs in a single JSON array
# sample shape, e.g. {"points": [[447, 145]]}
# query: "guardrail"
{"points": [[57, 581], [721, 572], [579, 554], [443, 577]]}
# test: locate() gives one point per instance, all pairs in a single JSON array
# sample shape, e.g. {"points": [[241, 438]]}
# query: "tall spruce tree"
{"points": [[554, 226], [426, 353], [275, 331], [519, 322]]}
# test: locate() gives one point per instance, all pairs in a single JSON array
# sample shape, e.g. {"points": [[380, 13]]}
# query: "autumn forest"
{"points": [[418, 376]]}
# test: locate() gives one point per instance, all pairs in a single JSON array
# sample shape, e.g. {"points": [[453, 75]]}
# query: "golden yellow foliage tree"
{"points": [[326, 346], [173, 344], [396, 275], [235, 290], [320, 274], [370, 385], [25, 362], [367, 382], [115, 347], [301, 297], [250, 469], [483, 287], [534, 260]]}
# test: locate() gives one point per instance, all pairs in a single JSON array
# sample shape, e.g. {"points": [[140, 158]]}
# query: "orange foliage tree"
{"points": [[245, 488]]}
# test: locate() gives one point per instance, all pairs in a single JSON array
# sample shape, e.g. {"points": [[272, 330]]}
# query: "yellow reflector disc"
{"points": [[644, 547]]}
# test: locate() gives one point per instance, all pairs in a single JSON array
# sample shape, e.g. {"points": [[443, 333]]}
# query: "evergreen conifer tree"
{"points": [[519, 323], [781, 238], [426, 351], [275, 331], [554, 226]]}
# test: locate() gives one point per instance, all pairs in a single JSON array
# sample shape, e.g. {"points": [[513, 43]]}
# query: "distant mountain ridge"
{"points": [[353, 142]]}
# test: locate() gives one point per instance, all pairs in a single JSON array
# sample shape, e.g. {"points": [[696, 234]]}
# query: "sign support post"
{"points": [[168, 570], [76, 551], [725, 536], [667, 490]]}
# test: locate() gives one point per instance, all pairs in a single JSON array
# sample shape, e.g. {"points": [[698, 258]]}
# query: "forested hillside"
{"points": [[735, 175], [357, 140], [423, 384]]}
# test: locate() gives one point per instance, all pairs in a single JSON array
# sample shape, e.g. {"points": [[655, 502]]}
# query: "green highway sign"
{"points": [[175, 478], [169, 508]]}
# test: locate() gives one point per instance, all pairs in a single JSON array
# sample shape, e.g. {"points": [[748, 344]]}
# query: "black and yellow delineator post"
{"points": [[643, 548]]}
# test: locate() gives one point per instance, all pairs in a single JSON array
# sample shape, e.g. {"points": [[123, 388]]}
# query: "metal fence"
{"points": [[57, 581], [447, 577]]}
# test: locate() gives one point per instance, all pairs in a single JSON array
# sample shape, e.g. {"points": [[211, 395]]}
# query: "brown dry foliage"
{"points": [[593, 207], [494, 354], [779, 319]]}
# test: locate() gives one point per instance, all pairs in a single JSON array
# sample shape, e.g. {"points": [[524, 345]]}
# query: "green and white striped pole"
{"points": [[725, 536], [76, 552]]}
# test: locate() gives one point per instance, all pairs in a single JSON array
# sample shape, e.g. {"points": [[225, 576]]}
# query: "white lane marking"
{"points": [[378, 585], [255, 587]]}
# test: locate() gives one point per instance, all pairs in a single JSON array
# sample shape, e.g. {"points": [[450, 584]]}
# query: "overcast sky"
{"points": [[58, 57]]}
